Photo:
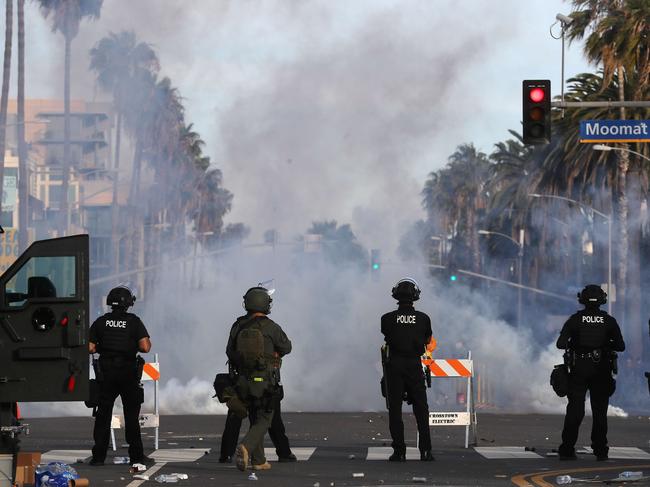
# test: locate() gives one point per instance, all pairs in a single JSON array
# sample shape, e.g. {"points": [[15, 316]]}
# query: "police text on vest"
{"points": [[116, 324], [410, 319], [593, 319]]}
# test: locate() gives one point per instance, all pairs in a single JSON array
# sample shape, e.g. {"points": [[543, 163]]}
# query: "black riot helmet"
{"points": [[592, 295], [258, 300], [120, 297], [406, 289]]}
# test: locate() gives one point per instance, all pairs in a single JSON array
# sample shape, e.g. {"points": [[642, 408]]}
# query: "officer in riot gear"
{"points": [[592, 338], [118, 336], [255, 347], [277, 431], [407, 333]]}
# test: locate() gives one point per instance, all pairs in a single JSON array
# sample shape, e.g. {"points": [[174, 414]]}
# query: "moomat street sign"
{"points": [[598, 131]]}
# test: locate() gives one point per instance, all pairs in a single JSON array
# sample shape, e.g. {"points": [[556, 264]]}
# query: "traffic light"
{"points": [[375, 261], [536, 111]]}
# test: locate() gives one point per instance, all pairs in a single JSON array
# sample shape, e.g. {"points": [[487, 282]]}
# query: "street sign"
{"points": [[599, 131]]}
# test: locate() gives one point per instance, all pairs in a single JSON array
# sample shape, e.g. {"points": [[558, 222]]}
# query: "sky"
{"points": [[329, 109]]}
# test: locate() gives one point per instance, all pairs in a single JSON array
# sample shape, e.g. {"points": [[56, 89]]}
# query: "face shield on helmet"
{"points": [[406, 289], [592, 295], [258, 300], [120, 297]]}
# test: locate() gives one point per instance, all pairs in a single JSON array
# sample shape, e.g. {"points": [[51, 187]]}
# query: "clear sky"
{"points": [[329, 109]]}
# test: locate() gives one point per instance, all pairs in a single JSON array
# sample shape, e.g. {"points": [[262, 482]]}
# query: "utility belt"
{"points": [[597, 356]]}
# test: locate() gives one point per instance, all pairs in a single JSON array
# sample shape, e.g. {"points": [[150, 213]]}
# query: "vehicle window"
{"points": [[42, 277]]}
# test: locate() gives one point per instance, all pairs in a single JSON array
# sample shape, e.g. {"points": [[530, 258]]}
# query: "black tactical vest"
{"points": [[592, 329], [117, 338]]}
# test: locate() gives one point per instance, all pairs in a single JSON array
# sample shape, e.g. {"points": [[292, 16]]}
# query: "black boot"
{"points": [[426, 456], [397, 456]]}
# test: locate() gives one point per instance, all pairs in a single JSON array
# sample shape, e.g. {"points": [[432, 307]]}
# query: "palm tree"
{"points": [[118, 60], [4, 99], [617, 37], [66, 18], [213, 203], [23, 190], [471, 169]]}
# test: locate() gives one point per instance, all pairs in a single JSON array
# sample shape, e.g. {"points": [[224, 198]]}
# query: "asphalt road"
{"points": [[336, 446]]}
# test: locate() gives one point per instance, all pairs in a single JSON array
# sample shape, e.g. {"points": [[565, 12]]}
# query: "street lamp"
{"points": [[607, 148], [520, 262], [608, 218]]}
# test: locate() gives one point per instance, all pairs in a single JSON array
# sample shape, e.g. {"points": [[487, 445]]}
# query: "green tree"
{"points": [[213, 203], [616, 34], [118, 60], [66, 17], [339, 244]]}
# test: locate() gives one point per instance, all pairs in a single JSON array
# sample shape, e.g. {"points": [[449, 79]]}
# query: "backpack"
{"points": [[250, 349], [256, 379]]}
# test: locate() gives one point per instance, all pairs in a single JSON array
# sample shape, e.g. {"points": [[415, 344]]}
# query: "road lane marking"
{"points": [[383, 452], [170, 455], [537, 478], [148, 473], [302, 453], [503, 452]]}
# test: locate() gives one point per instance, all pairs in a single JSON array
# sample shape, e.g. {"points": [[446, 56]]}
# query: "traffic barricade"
{"points": [[150, 373], [455, 368]]}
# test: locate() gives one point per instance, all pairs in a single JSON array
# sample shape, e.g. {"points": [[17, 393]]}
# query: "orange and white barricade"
{"points": [[455, 368], [150, 373]]}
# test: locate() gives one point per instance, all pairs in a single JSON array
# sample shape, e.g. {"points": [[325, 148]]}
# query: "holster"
{"points": [[99, 373], [139, 367]]}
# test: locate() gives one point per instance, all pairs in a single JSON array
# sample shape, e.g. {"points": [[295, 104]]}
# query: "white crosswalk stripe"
{"points": [[502, 452], [65, 456], [171, 455], [383, 452], [301, 453], [620, 453]]}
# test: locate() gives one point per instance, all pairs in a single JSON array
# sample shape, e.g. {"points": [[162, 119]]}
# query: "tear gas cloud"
{"points": [[314, 111]]}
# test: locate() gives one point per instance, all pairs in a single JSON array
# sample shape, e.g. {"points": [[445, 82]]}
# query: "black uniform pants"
{"points": [[597, 379], [119, 381], [406, 375], [277, 433]]}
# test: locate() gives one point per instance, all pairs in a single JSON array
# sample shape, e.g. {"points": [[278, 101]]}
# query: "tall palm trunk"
{"points": [[473, 235], [634, 335], [65, 208], [114, 201], [623, 240], [23, 182], [4, 99]]}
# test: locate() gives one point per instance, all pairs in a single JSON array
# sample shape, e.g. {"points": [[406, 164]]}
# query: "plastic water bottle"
{"points": [[563, 479], [166, 479], [631, 475], [121, 460]]}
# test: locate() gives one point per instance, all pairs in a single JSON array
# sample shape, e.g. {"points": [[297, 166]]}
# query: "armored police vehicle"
{"points": [[43, 329]]}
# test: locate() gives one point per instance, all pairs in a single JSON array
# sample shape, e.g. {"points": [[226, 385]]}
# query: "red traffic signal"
{"points": [[536, 117]]}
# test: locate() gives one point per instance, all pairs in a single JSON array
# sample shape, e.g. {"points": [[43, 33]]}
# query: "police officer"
{"points": [[277, 433], [407, 332], [118, 336], [590, 335], [255, 347]]}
